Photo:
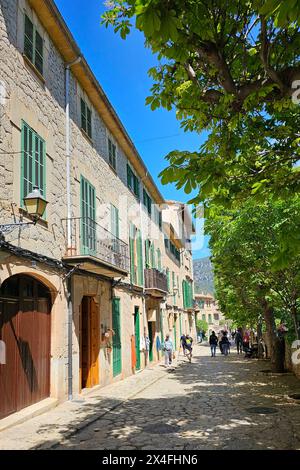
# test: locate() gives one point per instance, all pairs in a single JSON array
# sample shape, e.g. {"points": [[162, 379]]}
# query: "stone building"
{"points": [[206, 308], [88, 292]]}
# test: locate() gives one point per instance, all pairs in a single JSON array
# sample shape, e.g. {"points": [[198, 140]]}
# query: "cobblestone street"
{"points": [[213, 403]]}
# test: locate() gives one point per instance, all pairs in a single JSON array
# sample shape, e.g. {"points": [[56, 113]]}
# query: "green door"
{"points": [[88, 217], [117, 360], [137, 337], [161, 327], [151, 341]]}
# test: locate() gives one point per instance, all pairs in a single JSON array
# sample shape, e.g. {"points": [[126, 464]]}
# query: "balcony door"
{"points": [[88, 218]]}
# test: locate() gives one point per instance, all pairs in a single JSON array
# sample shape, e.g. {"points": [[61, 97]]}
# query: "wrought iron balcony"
{"points": [[156, 282], [95, 248]]}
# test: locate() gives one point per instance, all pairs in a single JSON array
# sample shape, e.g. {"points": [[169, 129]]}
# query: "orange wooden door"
{"points": [[89, 343]]}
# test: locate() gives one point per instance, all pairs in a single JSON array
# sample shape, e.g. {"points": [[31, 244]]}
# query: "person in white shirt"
{"points": [[168, 350]]}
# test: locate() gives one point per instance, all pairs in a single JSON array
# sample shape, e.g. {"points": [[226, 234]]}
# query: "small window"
{"points": [[147, 202], [86, 118], [33, 45], [133, 182], [112, 154], [33, 162]]}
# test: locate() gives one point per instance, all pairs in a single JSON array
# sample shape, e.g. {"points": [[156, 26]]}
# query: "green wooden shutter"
{"points": [[184, 293], [39, 52], [132, 255], [173, 282], [117, 347], [88, 217], [140, 258], [136, 185], [168, 279], [129, 177], [153, 261], [147, 254], [161, 326], [178, 285], [137, 337], [115, 225], [28, 39], [159, 266], [83, 114], [88, 121], [33, 162]]}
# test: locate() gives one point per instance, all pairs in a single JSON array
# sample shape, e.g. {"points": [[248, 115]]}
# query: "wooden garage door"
{"points": [[25, 323]]}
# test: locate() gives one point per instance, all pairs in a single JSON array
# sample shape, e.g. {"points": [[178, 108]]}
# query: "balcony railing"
{"points": [[154, 279], [88, 238]]}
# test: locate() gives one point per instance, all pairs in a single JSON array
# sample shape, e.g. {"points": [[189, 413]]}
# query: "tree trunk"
{"points": [[259, 338], [295, 321], [276, 344]]}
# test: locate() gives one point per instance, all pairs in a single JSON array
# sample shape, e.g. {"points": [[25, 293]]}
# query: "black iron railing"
{"points": [[154, 279], [88, 238]]}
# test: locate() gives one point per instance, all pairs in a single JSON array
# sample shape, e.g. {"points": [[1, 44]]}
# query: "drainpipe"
{"points": [[68, 156], [69, 234]]}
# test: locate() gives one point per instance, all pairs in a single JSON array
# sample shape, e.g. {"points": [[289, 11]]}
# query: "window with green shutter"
{"points": [[178, 286], [33, 162], [168, 280], [147, 254], [112, 153], [132, 234], [33, 45], [133, 182], [115, 228], [174, 285], [116, 339], [86, 118], [115, 221], [88, 217], [159, 266], [139, 250], [153, 260], [147, 202]]}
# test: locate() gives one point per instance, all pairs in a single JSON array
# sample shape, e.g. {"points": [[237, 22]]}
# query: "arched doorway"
{"points": [[25, 329]]}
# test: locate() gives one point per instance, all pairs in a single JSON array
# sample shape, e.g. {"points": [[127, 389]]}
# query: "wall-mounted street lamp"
{"points": [[35, 206]]}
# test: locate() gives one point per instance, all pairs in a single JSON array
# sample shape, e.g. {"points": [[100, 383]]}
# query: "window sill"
{"points": [[41, 222], [88, 138], [34, 69]]}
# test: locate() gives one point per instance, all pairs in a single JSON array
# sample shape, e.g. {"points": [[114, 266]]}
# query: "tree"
{"points": [[244, 243], [229, 67], [202, 325]]}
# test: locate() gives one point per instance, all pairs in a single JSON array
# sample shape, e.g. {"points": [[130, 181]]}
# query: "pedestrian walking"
{"points": [[225, 344], [213, 342], [239, 341], [168, 350], [188, 347]]}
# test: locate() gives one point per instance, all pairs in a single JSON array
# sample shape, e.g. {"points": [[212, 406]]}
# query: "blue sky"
{"points": [[121, 68]]}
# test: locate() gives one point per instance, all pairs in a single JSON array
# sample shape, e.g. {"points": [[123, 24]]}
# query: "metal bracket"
{"points": [[7, 228], [116, 283]]}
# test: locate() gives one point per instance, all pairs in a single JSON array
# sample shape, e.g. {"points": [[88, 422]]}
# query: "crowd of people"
{"points": [[244, 340]]}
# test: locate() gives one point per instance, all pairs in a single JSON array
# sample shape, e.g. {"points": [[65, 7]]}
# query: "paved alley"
{"points": [[213, 403]]}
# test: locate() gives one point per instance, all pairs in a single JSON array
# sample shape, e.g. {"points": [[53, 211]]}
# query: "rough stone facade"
{"points": [[40, 102]]}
